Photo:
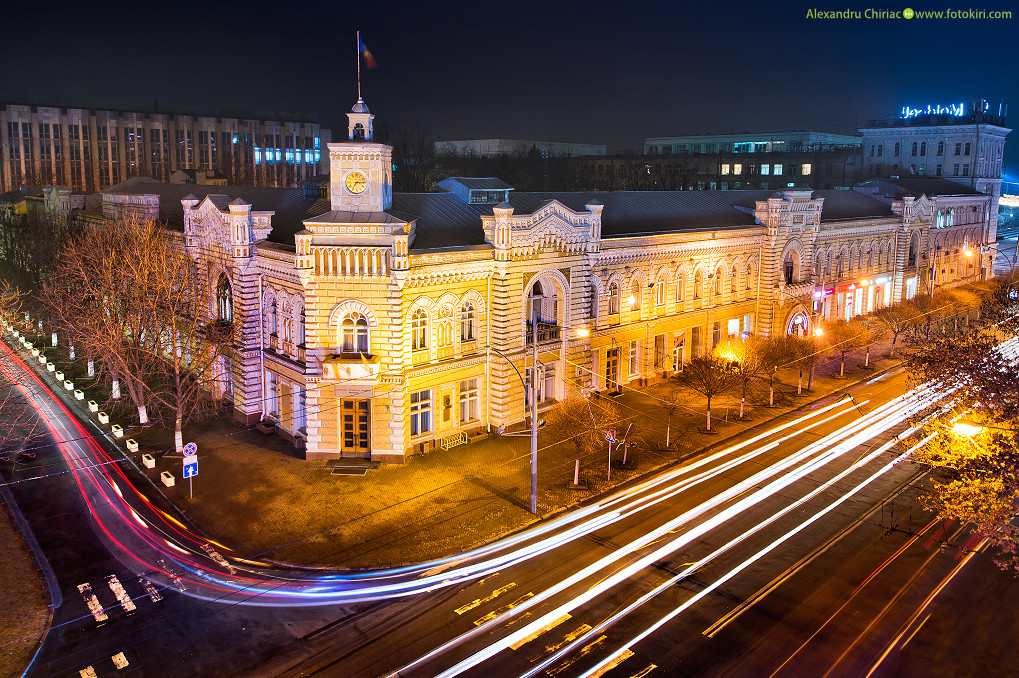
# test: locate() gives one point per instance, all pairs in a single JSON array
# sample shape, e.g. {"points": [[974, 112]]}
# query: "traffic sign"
{"points": [[190, 449], [610, 435], [190, 466]]}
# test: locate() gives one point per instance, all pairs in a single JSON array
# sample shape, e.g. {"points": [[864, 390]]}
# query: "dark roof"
{"points": [[899, 187], [290, 205], [444, 220]]}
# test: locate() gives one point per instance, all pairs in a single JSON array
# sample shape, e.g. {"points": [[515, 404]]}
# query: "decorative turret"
{"points": [[359, 122]]}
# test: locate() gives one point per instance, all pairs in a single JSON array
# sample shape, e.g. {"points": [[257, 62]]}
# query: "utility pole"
{"points": [[534, 411]]}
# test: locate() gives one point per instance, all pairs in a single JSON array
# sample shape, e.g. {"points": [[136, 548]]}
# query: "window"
{"points": [[915, 144], [750, 275], [958, 149], [718, 281], [354, 333], [941, 148], [680, 282], [732, 280], [880, 150], [967, 148], [765, 169], [965, 169], [698, 283], [419, 330], [444, 334], [778, 170], [300, 408], [923, 148], [660, 293], [273, 317], [468, 400], [634, 358], [896, 151], [272, 393], [636, 294], [224, 299], [737, 168], [613, 298], [420, 412], [806, 169], [301, 325], [725, 168], [937, 171], [467, 321], [955, 169]]}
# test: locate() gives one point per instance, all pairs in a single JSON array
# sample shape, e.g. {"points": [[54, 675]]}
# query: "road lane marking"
{"points": [[548, 627], [649, 669], [122, 597], [480, 601], [616, 661], [580, 655], [505, 608], [94, 606], [150, 589]]}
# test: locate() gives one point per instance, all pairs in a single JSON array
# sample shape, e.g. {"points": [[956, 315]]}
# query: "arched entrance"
{"points": [[799, 324]]}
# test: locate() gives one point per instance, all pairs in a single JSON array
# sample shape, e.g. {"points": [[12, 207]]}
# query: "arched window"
{"points": [[467, 321], [788, 267], [354, 333], [273, 317], [914, 245], [750, 276], [698, 285], [301, 325], [444, 329], [680, 283], [613, 298], [732, 279], [635, 292], [923, 148], [358, 131], [224, 299], [914, 148], [419, 330], [897, 147], [718, 281], [941, 148]]}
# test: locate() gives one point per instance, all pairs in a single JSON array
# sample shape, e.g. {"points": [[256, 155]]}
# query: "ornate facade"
{"points": [[391, 323]]}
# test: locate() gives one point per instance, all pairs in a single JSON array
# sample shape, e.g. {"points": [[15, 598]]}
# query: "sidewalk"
{"points": [[254, 494]]}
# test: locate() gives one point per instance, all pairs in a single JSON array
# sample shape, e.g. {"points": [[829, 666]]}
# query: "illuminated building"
{"points": [[91, 149], [364, 319]]}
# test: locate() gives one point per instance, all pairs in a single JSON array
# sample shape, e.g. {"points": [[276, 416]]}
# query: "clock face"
{"points": [[357, 182]]}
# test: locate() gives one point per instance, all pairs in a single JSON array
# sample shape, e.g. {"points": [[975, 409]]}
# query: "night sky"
{"points": [[595, 72]]}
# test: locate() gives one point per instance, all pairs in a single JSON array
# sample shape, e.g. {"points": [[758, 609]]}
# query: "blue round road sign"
{"points": [[190, 449]]}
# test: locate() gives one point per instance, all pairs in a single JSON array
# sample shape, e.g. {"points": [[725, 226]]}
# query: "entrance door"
{"points": [[354, 422], [612, 369]]}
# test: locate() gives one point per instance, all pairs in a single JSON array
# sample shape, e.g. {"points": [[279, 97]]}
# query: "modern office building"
{"points": [[91, 149]]}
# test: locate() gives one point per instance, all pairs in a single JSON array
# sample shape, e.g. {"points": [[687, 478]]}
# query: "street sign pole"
{"points": [[191, 465]]}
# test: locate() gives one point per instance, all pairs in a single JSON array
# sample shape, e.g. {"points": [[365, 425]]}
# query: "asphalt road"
{"points": [[796, 549]]}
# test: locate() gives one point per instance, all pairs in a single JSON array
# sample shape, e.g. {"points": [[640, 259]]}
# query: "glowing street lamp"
{"points": [[966, 429]]}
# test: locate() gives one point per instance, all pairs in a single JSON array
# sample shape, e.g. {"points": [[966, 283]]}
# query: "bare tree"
{"points": [[896, 320], [844, 337], [582, 422], [20, 427], [747, 361], [710, 376]]}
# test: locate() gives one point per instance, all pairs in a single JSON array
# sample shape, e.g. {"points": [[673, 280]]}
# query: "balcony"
{"points": [[274, 342], [219, 332], [351, 367], [468, 347], [301, 353], [546, 332]]}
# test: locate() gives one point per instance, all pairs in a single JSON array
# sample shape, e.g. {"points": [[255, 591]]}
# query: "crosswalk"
{"points": [[127, 604]]}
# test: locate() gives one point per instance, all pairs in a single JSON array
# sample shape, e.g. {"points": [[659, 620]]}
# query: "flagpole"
{"points": [[357, 55]]}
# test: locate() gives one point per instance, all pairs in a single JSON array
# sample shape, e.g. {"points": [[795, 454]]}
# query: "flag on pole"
{"points": [[369, 60]]}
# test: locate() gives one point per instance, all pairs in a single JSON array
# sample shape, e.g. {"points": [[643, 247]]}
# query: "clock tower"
{"points": [[360, 170]]}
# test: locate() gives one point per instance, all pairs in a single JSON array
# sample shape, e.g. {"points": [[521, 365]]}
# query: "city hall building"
{"points": [[378, 325]]}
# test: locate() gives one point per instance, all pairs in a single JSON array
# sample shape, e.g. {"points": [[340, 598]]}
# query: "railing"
{"points": [[458, 438], [468, 347], [274, 342], [301, 353], [546, 332]]}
